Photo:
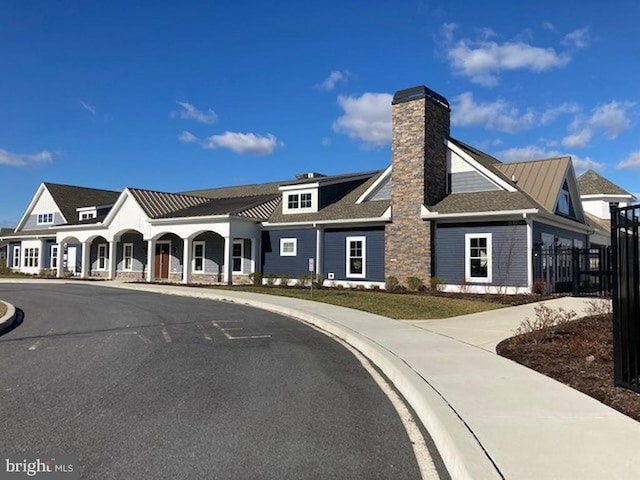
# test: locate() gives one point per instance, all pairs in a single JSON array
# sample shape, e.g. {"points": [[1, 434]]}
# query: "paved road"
{"points": [[139, 385]]}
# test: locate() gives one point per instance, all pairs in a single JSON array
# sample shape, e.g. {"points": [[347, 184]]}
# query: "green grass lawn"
{"points": [[400, 306], [3, 309]]}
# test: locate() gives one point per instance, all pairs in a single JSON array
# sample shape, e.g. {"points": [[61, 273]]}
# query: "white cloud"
{"points": [[579, 139], [612, 118], [498, 115], [579, 38], [632, 161], [187, 137], [23, 160], [242, 143], [333, 79], [481, 61], [366, 119], [189, 112], [326, 142], [548, 26], [521, 154], [89, 108], [534, 152], [552, 113]]}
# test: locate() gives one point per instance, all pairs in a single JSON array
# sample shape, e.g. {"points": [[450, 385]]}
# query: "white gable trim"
{"points": [[481, 169], [574, 193], [369, 191], [41, 188]]}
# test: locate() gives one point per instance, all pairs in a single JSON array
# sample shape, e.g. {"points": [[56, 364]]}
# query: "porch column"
{"points": [[150, 259], [86, 260], [62, 258], [186, 261], [112, 259], [254, 251], [41, 255], [228, 254]]}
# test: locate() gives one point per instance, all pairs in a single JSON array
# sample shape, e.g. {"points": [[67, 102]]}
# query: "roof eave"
{"points": [[426, 214]]}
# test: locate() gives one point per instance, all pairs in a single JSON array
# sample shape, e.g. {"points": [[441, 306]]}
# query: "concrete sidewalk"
{"points": [[490, 418]]}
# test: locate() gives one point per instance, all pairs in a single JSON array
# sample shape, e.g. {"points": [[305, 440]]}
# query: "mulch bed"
{"points": [[579, 354]]}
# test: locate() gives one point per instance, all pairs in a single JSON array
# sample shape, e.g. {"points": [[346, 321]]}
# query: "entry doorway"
{"points": [[163, 259]]}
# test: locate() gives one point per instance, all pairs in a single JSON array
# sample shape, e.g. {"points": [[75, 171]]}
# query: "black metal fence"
{"points": [[579, 271], [625, 242]]}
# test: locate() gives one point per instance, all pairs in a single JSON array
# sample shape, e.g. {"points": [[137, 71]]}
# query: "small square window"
{"points": [[288, 247], [305, 200], [293, 201]]}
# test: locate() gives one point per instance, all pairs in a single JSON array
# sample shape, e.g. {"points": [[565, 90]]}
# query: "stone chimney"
{"points": [[420, 127]]}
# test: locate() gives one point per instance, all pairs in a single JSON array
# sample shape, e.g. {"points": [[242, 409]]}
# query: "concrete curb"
{"points": [[7, 319], [463, 455]]}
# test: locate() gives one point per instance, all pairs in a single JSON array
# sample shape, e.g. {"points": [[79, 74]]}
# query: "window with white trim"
{"points": [[127, 256], [87, 215], [45, 218], [31, 257], [54, 256], [236, 257], [288, 247], [356, 257], [198, 256], [300, 201], [102, 256], [16, 257], [305, 200], [478, 261]]}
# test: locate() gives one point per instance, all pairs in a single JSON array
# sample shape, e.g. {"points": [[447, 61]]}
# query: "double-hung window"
{"points": [[237, 254], [127, 256], [293, 201], [54, 256], [31, 257], [305, 200], [356, 257], [198, 256], [45, 218], [102, 256], [478, 258], [16, 257]]}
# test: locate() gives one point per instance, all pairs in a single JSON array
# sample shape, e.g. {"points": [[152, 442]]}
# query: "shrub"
{"points": [[360, 287], [464, 286], [284, 279], [539, 287], [436, 283], [303, 280], [318, 281], [391, 283], [598, 306], [256, 278], [415, 283], [3, 266], [270, 279], [546, 324]]}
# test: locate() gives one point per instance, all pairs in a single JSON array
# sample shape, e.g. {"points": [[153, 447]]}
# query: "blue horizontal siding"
{"points": [[273, 263], [335, 252], [509, 252], [540, 228]]}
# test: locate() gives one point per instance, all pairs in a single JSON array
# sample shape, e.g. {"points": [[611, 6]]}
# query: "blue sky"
{"points": [[174, 96]]}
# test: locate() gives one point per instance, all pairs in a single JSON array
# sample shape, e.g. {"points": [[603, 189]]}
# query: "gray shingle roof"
{"points": [[237, 191], [591, 183], [344, 208], [69, 198], [160, 204], [490, 201]]}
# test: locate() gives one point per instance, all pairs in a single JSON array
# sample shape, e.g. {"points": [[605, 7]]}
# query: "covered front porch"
{"points": [[188, 254]]}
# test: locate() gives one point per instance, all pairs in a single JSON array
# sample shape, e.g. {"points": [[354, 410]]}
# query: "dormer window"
{"points": [[301, 201], [45, 218], [87, 213]]}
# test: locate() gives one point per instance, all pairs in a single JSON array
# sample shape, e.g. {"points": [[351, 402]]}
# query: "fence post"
{"points": [[575, 267]]}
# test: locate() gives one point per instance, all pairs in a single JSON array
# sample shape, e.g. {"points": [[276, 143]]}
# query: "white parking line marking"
{"points": [[165, 334], [206, 335], [38, 342], [233, 337]]}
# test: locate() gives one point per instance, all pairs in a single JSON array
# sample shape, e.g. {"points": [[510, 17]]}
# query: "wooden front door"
{"points": [[162, 260]]}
